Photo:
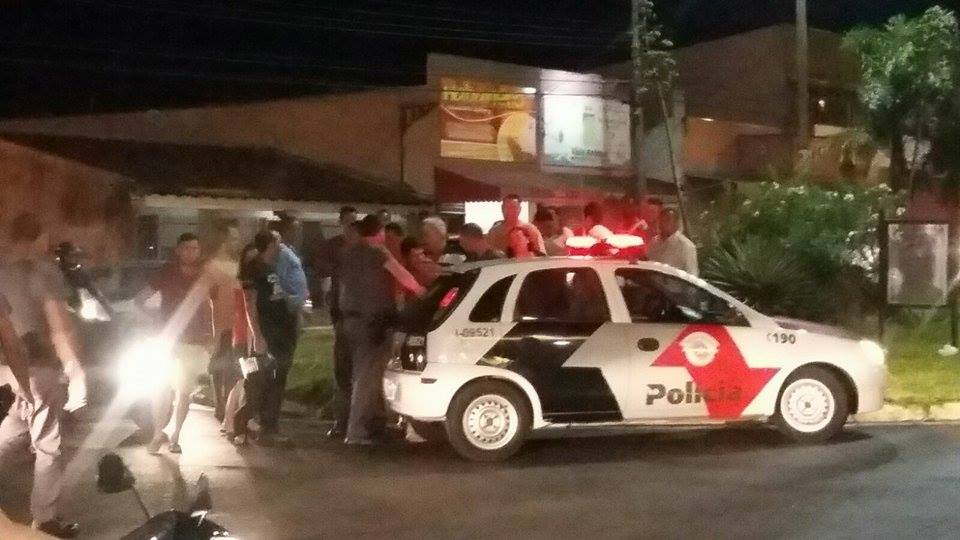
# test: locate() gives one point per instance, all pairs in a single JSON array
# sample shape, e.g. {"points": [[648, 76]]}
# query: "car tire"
{"points": [[432, 432], [812, 406], [488, 421]]}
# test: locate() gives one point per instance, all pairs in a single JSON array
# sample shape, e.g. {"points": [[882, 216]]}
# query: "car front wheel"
{"points": [[813, 405], [488, 421]]}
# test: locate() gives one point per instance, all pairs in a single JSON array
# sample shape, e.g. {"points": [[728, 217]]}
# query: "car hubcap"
{"points": [[490, 422], [807, 405]]}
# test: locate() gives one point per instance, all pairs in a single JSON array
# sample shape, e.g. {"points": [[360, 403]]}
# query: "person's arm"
{"points": [[293, 281], [690, 253], [538, 239], [403, 277], [150, 289], [143, 296], [65, 345], [250, 303], [14, 355]]}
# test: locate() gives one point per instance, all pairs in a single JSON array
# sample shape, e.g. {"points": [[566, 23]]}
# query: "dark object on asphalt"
{"points": [[58, 529], [114, 477], [6, 400]]}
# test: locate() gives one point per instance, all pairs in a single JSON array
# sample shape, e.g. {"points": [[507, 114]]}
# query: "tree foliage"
{"points": [[910, 74], [798, 241]]}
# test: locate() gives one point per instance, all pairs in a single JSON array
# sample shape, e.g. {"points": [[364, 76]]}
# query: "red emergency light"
{"points": [[621, 246]]}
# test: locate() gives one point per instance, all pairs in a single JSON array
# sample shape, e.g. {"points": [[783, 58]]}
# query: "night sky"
{"points": [[78, 56]]}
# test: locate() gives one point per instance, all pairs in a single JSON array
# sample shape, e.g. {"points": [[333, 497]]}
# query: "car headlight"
{"points": [[873, 351]]}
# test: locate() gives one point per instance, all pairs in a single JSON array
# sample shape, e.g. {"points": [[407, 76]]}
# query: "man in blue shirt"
{"points": [[293, 283], [293, 280]]}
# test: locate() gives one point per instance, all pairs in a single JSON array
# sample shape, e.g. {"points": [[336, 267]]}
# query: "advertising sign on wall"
{"points": [[917, 264], [485, 120], [585, 131]]}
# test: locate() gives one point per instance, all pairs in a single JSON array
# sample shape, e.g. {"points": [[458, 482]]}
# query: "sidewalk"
{"points": [[893, 412]]}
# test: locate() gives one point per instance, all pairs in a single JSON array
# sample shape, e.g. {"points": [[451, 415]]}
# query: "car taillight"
{"points": [[413, 353], [449, 298]]}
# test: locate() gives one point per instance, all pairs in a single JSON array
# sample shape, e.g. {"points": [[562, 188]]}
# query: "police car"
{"points": [[499, 349]]}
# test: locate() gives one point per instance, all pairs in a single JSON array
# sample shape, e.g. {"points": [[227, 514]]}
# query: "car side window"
{"points": [[563, 295], [490, 305], [659, 298]]}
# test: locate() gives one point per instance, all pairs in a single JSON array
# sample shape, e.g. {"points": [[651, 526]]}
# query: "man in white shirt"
{"points": [[672, 247], [593, 222], [500, 233], [554, 233]]}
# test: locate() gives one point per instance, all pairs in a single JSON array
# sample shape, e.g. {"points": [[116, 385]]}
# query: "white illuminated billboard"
{"points": [[585, 131]]}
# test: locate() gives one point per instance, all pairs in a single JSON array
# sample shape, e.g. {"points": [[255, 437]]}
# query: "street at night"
{"points": [[486, 269], [743, 482]]}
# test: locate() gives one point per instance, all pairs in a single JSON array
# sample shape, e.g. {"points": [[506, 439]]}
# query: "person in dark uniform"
{"points": [[368, 307]]}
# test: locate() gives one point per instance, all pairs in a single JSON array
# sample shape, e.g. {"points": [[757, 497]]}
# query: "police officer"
{"points": [[368, 284], [43, 359]]}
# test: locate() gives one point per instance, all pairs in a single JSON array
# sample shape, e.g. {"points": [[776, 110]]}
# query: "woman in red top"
{"points": [[244, 399]]}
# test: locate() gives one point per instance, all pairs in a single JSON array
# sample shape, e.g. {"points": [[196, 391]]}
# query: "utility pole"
{"points": [[803, 78], [636, 108]]}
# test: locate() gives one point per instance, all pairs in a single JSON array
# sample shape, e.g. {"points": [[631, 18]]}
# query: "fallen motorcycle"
{"points": [[113, 476]]}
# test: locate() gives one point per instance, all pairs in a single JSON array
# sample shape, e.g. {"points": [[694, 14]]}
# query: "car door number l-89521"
{"points": [[782, 338], [474, 332]]}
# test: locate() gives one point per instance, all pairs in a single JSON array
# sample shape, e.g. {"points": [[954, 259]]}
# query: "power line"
{"points": [[265, 60], [465, 11], [574, 31], [334, 28], [290, 81], [197, 55]]}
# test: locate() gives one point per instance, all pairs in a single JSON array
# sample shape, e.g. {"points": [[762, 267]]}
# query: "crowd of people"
{"points": [[375, 270], [236, 313]]}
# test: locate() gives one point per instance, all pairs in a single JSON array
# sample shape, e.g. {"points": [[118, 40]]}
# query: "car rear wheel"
{"points": [[432, 432], [813, 405], [488, 421]]}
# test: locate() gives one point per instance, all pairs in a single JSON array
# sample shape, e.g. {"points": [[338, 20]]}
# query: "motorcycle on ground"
{"points": [[113, 476]]}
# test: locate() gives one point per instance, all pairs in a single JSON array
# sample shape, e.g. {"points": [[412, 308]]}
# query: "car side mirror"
{"points": [[113, 475]]}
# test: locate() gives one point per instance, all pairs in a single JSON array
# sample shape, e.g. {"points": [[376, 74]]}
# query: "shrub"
{"points": [[763, 274], [825, 237]]}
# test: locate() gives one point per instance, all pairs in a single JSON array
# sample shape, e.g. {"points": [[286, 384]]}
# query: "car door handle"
{"points": [[648, 344]]}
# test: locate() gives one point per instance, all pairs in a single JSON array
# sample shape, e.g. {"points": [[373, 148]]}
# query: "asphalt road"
{"points": [[875, 482]]}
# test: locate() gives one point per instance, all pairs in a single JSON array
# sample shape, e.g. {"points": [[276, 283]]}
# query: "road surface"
{"points": [[876, 482]]}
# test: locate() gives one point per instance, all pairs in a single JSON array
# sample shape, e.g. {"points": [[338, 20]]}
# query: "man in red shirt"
{"points": [[186, 305]]}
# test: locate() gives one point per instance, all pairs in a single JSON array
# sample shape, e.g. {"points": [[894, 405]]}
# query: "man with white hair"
{"points": [[433, 236]]}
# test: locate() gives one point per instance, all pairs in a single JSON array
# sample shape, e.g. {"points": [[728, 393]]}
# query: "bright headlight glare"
{"points": [[145, 367], [873, 351]]}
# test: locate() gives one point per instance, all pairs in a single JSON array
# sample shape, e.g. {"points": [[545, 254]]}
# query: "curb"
{"points": [[893, 413]]}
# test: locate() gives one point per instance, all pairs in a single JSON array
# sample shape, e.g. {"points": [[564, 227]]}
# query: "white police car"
{"points": [[498, 349]]}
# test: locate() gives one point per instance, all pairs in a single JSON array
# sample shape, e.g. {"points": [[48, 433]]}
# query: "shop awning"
{"points": [[222, 172]]}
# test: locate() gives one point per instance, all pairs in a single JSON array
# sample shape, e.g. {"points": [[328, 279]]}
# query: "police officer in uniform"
{"points": [[44, 364], [368, 285]]}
